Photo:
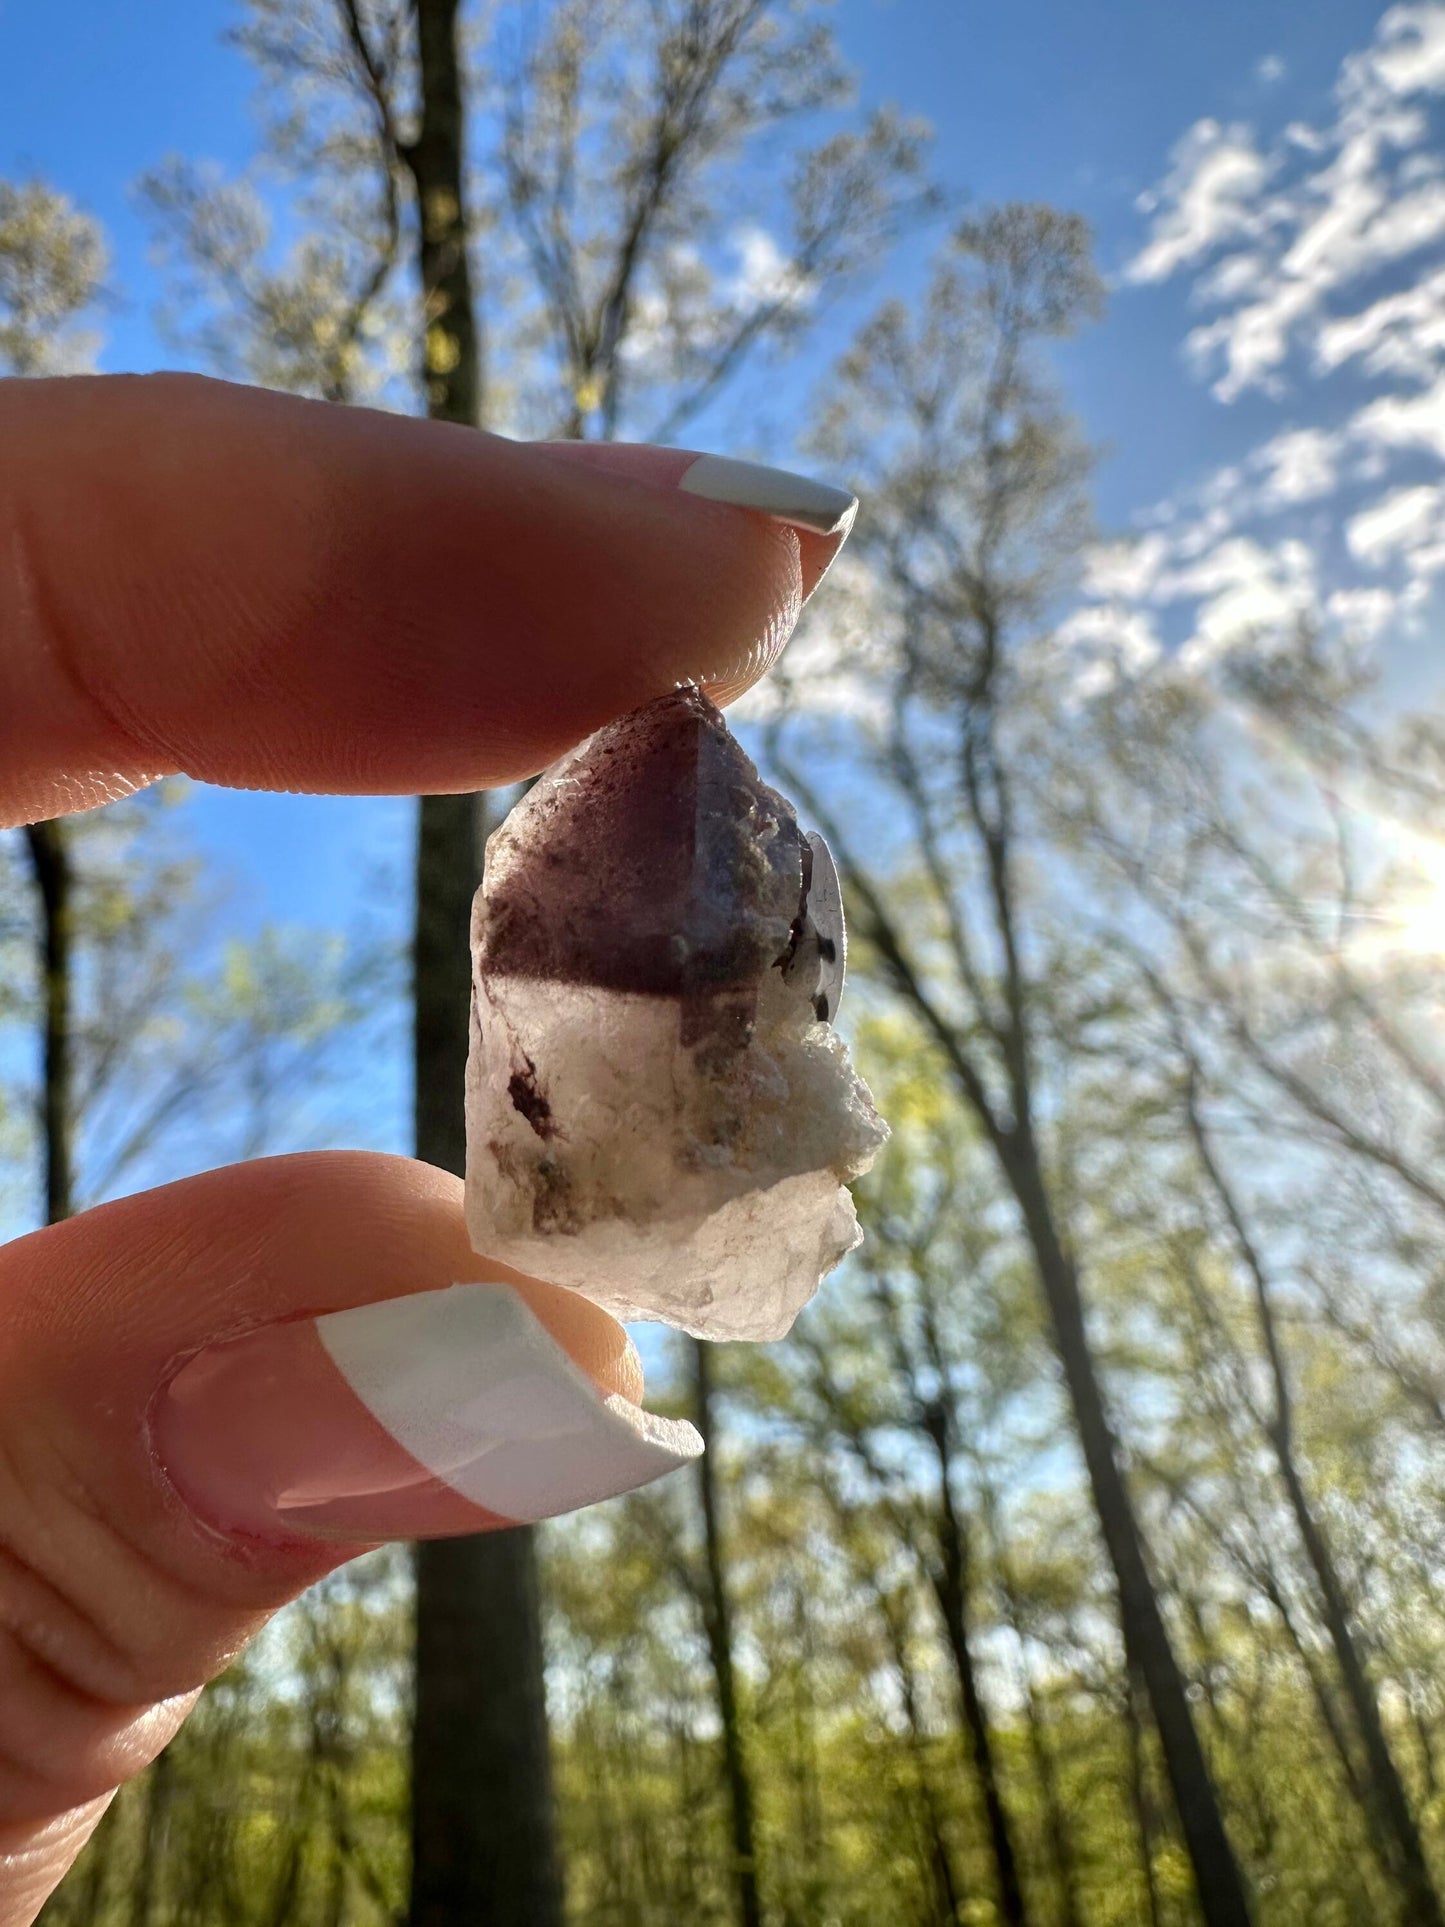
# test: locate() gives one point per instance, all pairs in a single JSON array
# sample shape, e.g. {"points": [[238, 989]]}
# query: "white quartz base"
{"points": [[709, 1196]]}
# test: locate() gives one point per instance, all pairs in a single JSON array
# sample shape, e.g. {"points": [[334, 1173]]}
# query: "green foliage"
{"points": [[52, 265]]}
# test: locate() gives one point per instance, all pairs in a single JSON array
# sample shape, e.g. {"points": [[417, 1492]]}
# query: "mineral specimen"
{"points": [[659, 1113]]}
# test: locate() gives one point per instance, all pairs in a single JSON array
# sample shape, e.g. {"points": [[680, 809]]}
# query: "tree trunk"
{"points": [[1223, 1897], [807, 1770], [1056, 1825], [482, 1829], [950, 1583], [55, 885], [1223, 1901], [482, 1820], [1425, 1742], [152, 1844], [947, 1891], [451, 370], [1139, 1797], [717, 1617], [1386, 1804], [483, 1833]]}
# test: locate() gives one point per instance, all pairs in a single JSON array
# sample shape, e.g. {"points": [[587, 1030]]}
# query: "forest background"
{"points": [[1078, 1559]]}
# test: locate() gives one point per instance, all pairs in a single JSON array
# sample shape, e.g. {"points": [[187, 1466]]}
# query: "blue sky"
{"points": [[1266, 185]]}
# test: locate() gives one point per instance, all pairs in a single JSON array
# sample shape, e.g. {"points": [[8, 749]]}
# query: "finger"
{"points": [[212, 1393], [273, 593]]}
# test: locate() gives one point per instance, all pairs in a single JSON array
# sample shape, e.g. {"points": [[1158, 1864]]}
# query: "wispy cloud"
{"points": [[1405, 421], [1280, 237], [1318, 256], [1297, 465], [1400, 522], [1213, 196], [1401, 334], [1406, 530]]}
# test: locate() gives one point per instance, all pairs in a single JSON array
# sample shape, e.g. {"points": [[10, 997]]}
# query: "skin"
{"points": [[276, 594]]}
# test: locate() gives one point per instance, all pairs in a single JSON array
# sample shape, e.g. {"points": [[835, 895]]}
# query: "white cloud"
{"points": [[1363, 613], [1094, 650], [1211, 196], [1198, 532], [1409, 52], [689, 298], [1298, 465], [1405, 530], [1319, 257], [1277, 239], [1404, 518], [1405, 421], [1123, 633], [1269, 70], [1308, 139], [1125, 571], [1235, 590], [1252, 341], [1232, 277], [1404, 534], [1400, 334]]}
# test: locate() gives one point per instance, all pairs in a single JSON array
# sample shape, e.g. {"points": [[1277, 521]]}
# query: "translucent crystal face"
{"points": [[819, 956], [656, 1114]]}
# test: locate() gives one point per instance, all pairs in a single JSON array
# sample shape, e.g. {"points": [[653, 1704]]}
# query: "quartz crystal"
{"points": [[659, 1114]]}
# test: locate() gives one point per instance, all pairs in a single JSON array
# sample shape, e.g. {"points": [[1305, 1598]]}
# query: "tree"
{"points": [[717, 1619], [925, 1353], [52, 270], [976, 480], [50, 865], [1325, 1007]]}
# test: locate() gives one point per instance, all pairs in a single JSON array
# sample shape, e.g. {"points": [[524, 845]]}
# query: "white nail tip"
{"points": [[773, 491], [474, 1388]]}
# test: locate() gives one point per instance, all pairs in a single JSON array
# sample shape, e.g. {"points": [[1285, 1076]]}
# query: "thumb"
{"points": [[213, 1393]]}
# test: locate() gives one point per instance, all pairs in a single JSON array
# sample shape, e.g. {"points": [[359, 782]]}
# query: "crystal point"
{"points": [[656, 1115]]}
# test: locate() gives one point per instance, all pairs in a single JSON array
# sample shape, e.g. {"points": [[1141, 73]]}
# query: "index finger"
{"points": [[280, 594]]}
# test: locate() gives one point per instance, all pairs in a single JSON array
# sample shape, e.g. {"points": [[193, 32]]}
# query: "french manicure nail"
{"points": [[441, 1413], [817, 507], [777, 492]]}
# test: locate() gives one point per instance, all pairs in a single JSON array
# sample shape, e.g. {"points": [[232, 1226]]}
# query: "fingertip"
{"points": [[810, 521]]}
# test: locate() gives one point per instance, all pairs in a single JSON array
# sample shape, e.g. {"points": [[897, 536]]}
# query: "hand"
{"points": [[212, 1393]]}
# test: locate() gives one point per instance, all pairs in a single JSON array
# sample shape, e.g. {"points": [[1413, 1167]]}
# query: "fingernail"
{"points": [[817, 507], [421, 1417], [777, 492]]}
